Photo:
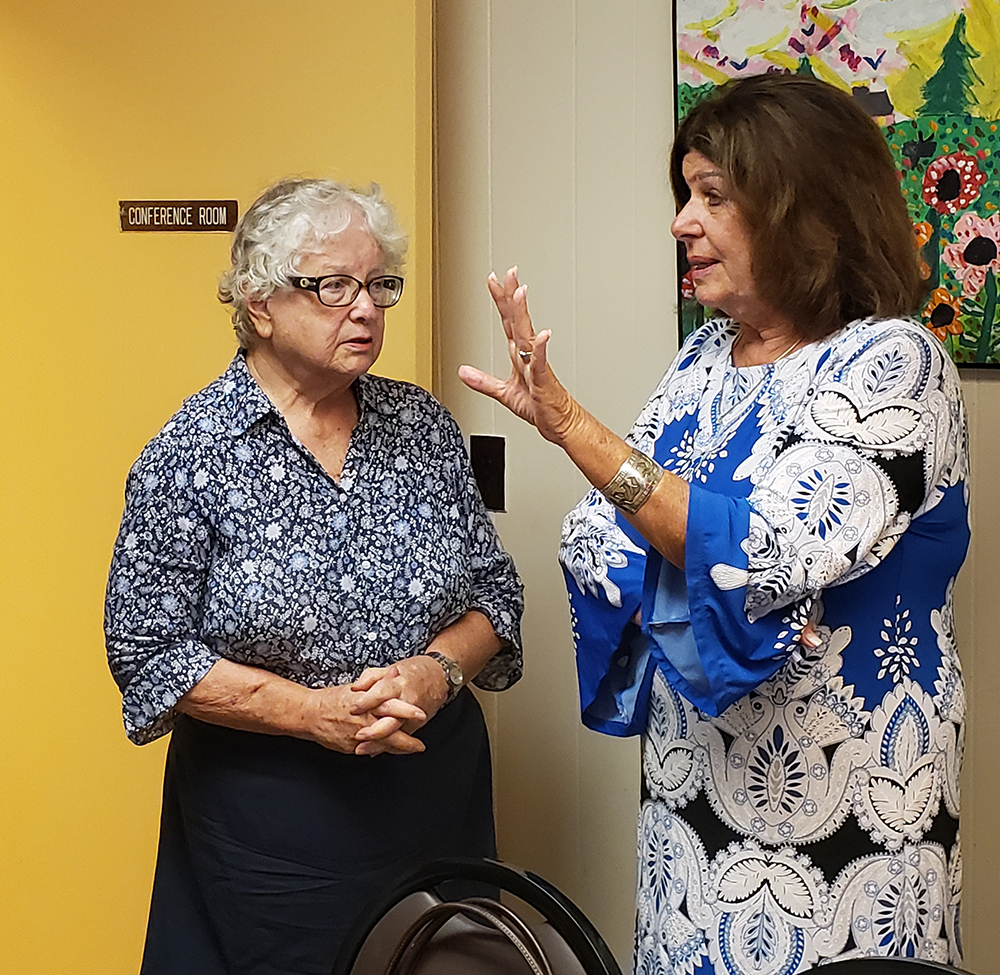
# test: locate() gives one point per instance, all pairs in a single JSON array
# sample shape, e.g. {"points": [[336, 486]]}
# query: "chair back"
{"points": [[528, 927]]}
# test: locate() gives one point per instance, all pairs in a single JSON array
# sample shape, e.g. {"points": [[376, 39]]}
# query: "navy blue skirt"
{"points": [[272, 847]]}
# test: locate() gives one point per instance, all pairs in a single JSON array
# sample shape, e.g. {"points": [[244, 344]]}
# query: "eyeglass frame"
{"points": [[306, 283]]}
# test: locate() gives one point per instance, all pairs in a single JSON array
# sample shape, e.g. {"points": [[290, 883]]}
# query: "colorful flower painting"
{"points": [[928, 72]]}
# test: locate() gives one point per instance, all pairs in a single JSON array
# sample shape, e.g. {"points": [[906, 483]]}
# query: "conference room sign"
{"points": [[177, 216]]}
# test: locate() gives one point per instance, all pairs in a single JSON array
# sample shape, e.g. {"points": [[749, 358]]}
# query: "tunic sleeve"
{"points": [[604, 561], [875, 446], [155, 590]]}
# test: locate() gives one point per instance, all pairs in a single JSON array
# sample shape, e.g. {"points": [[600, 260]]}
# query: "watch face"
{"points": [[452, 672]]}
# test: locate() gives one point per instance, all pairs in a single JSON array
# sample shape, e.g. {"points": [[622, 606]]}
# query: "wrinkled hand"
{"points": [[414, 682], [532, 390], [337, 724]]}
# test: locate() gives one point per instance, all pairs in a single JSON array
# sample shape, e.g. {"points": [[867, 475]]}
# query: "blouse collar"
{"points": [[246, 403]]}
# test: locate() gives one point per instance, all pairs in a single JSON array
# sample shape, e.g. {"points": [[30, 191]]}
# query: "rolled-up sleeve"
{"points": [[156, 586]]}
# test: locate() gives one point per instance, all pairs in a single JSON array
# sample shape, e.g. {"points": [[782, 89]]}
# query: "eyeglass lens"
{"points": [[340, 289]]}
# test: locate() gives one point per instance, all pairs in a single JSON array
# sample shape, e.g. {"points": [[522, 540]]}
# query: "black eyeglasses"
{"points": [[337, 290]]}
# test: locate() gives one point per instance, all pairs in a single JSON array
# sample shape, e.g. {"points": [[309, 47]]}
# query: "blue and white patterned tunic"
{"points": [[236, 543], [799, 805]]}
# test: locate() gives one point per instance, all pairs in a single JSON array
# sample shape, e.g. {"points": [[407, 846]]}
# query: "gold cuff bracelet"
{"points": [[635, 481]]}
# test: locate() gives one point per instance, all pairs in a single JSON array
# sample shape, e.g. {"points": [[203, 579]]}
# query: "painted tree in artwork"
{"points": [[949, 90], [805, 68]]}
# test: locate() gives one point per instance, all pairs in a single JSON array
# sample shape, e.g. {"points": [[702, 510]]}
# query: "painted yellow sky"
{"points": [[920, 46], [983, 33], [923, 47]]}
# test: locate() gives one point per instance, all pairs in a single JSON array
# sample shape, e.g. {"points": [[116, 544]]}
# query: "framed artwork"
{"points": [[928, 72]]}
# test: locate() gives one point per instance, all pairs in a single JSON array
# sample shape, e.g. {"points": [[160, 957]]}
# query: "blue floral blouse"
{"points": [[236, 543], [837, 475], [801, 803]]}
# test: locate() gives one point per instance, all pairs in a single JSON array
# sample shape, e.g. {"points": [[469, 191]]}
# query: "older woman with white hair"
{"points": [[304, 579]]}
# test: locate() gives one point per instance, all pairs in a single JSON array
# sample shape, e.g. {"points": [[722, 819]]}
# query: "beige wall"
{"points": [[553, 122], [104, 333], [978, 599]]}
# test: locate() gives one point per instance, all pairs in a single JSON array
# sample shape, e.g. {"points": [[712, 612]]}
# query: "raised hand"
{"points": [[532, 390]]}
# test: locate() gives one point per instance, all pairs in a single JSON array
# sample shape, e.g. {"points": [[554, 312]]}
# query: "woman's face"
{"points": [[717, 241], [308, 337]]}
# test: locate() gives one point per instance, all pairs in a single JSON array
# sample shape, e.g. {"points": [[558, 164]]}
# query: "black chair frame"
{"points": [[558, 910]]}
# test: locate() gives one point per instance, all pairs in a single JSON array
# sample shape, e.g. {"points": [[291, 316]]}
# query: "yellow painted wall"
{"points": [[102, 334]]}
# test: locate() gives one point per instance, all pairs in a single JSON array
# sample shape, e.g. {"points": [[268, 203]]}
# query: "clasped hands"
{"points": [[382, 709]]}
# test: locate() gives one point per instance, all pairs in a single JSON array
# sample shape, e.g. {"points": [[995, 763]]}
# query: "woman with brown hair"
{"points": [[761, 581]]}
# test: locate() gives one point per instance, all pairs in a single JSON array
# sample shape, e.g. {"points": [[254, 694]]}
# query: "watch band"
{"points": [[452, 673]]}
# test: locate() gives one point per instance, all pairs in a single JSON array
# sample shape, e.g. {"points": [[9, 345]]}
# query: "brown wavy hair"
{"points": [[813, 178]]}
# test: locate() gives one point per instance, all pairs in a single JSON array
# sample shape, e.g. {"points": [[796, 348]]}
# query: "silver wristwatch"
{"points": [[452, 673]]}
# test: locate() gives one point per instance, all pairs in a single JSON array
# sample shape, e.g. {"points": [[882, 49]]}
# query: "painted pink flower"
{"points": [[976, 251], [952, 182]]}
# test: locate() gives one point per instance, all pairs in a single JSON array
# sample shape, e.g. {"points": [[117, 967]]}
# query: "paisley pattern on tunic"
{"points": [[807, 809], [236, 543]]}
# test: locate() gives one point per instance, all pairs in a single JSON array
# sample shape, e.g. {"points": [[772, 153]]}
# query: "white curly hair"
{"points": [[288, 220]]}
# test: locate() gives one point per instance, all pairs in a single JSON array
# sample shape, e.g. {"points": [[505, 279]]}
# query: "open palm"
{"points": [[532, 390]]}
